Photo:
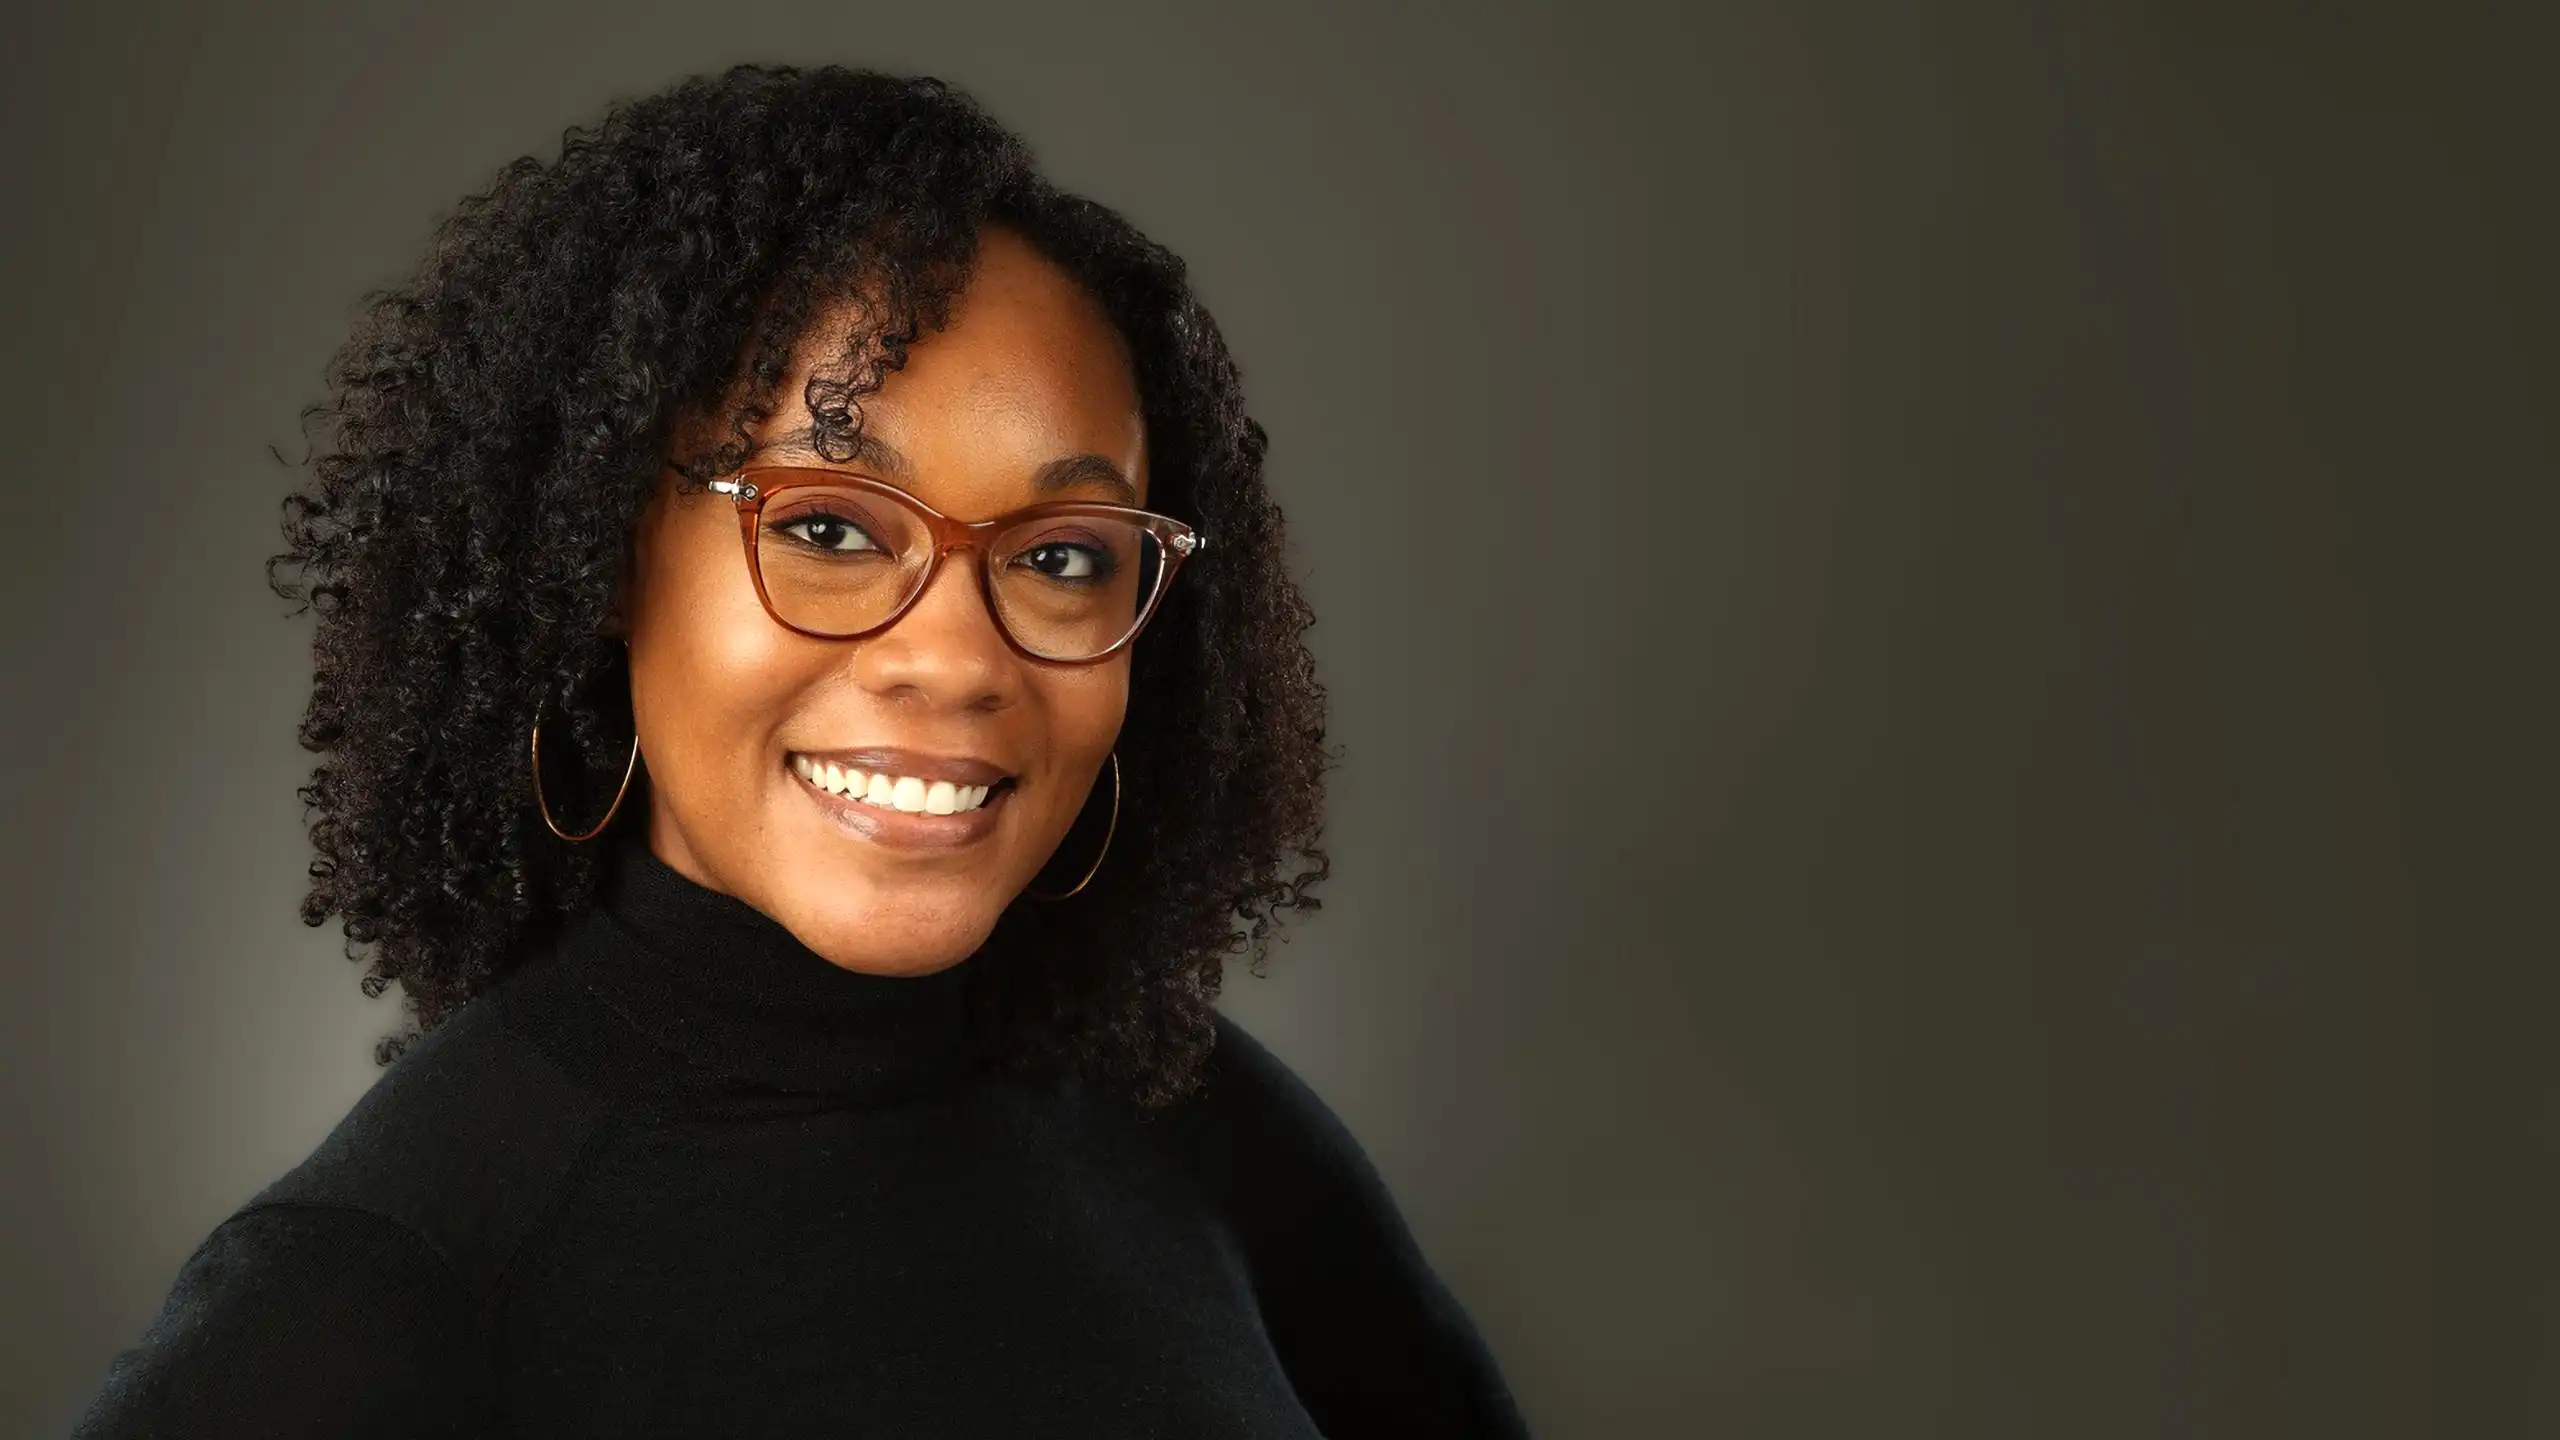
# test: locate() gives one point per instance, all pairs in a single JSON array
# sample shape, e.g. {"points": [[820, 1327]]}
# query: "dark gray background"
{"points": [[1888, 576]]}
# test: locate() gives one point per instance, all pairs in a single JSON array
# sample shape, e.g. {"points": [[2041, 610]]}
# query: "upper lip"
{"points": [[958, 769]]}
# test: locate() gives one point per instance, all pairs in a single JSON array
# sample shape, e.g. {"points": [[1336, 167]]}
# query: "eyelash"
{"points": [[850, 522], [1105, 564]]}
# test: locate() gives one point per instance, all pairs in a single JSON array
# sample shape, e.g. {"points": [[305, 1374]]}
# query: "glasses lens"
{"points": [[838, 560], [1071, 586]]}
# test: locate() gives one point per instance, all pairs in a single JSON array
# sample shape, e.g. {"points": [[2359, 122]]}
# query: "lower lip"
{"points": [[915, 830]]}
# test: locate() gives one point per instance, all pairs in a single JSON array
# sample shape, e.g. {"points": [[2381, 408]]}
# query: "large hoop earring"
{"points": [[1113, 829], [538, 803]]}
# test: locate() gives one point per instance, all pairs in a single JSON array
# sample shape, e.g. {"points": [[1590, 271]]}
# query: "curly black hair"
{"points": [[495, 425]]}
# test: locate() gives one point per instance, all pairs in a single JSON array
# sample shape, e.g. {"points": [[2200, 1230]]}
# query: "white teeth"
{"points": [[908, 793]]}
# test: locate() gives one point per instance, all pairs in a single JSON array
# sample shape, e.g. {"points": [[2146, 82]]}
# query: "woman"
{"points": [[811, 699]]}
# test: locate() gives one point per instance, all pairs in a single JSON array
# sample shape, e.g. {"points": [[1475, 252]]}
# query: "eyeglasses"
{"points": [[837, 556]]}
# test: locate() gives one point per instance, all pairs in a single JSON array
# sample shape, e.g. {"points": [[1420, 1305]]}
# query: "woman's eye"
{"points": [[1061, 561], [828, 532]]}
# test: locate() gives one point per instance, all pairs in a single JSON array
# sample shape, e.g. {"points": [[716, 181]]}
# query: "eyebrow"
{"points": [[1063, 473]]}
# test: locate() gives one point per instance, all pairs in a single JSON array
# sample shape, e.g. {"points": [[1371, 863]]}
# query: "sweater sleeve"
{"points": [[296, 1319], [1372, 1339]]}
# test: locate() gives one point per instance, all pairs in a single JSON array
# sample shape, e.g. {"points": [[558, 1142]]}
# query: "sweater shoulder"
{"points": [[1262, 1137], [465, 1141], [295, 1319], [1246, 1083], [1373, 1338]]}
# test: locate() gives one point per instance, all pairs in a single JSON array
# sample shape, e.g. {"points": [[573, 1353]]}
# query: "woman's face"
{"points": [[1028, 372]]}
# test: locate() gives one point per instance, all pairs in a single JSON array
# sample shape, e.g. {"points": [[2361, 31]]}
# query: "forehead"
{"points": [[1029, 371]]}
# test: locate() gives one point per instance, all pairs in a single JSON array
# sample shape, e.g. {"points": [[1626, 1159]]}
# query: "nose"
{"points": [[946, 651]]}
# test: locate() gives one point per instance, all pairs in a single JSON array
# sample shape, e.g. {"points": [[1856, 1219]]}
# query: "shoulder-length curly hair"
{"points": [[495, 425]]}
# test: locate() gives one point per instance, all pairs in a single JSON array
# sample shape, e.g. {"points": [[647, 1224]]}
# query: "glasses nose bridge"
{"points": [[953, 536], [950, 537]]}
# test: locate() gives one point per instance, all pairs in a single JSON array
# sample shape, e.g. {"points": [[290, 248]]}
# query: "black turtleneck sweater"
{"points": [[678, 1174]]}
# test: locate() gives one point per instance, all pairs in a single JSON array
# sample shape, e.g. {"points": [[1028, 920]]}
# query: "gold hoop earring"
{"points": [[538, 803], [1113, 829]]}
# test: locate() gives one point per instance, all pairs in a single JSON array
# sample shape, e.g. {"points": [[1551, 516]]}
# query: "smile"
{"points": [[907, 794]]}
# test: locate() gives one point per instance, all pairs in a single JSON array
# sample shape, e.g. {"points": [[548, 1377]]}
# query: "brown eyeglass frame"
{"points": [[1180, 542]]}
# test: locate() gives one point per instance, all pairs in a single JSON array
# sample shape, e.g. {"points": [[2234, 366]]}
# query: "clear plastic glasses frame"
{"points": [[752, 486]]}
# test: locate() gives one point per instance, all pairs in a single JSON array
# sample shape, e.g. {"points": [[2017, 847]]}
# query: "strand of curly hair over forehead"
{"points": [[493, 429]]}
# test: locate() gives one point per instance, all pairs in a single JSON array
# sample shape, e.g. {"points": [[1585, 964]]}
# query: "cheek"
{"points": [[1083, 709], [1086, 707], [710, 678]]}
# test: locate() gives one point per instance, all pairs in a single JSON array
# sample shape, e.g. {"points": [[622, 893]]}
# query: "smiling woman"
{"points": [[811, 701], [1011, 671]]}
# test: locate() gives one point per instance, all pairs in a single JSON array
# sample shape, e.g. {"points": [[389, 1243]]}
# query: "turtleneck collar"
{"points": [[743, 1001]]}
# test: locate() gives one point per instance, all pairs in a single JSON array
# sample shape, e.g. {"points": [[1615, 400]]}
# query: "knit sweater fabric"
{"points": [[679, 1175]]}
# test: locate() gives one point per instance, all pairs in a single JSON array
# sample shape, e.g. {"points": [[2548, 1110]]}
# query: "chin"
{"points": [[900, 943]]}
